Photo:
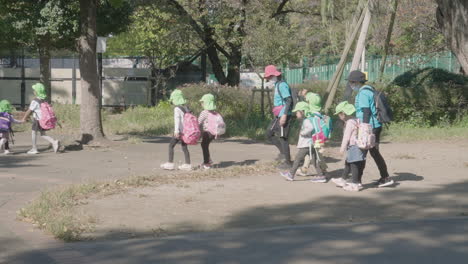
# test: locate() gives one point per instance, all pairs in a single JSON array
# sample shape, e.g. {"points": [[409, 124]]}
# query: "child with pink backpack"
{"points": [[357, 139], [43, 118], [212, 125], [186, 131]]}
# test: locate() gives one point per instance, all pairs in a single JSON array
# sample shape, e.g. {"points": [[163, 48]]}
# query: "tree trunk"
{"points": [[216, 65], [44, 61], [90, 112], [453, 21], [387, 40], [234, 67], [13, 58]]}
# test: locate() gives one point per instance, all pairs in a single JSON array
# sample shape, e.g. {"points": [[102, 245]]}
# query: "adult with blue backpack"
{"points": [[278, 129], [372, 108]]}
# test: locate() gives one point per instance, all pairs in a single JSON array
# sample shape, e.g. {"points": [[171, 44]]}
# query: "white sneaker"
{"points": [[339, 182], [33, 151], [7, 152], [168, 166], [185, 167], [56, 145], [352, 187], [299, 172]]}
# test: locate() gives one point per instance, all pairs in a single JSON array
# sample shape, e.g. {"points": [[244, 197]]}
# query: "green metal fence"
{"points": [[394, 67]]}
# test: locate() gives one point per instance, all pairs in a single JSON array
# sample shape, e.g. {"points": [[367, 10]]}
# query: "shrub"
{"points": [[428, 97]]}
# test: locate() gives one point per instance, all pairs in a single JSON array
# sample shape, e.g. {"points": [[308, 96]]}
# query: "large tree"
{"points": [[221, 26], [90, 112], [452, 16]]}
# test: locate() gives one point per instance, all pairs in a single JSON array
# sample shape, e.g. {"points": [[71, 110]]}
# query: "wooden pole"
{"points": [[333, 84], [361, 43]]}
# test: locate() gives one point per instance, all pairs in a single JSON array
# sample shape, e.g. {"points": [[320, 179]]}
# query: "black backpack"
{"points": [[384, 111]]}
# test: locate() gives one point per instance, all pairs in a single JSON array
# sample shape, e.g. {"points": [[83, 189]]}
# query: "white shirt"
{"points": [[36, 108], [178, 120]]}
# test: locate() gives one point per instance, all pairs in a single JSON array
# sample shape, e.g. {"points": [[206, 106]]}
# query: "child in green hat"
{"points": [[355, 157], [35, 110], [212, 125], [6, 119], [177, 99], [315, 156], [303, 145]]}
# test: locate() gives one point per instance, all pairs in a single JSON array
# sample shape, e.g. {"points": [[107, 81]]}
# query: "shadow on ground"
{"points": [[382, 239]]}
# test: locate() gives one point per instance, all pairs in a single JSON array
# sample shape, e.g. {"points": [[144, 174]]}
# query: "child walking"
{"points": [[355, 157], [303, 145], [208, 104], [315, 106], [6, 119], [178, 100], [35, 109]]}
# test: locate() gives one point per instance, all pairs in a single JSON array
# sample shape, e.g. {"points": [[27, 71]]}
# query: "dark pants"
{"points": [[375, 153], [301, 154], [356, 169], [314, 160], [172, 144], [205, 145], [279, 137]]}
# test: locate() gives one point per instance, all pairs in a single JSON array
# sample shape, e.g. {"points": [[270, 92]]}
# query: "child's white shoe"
{"points": [[185, 167], [352, 187], [339, 182], [56, 145], [33, 151], [168, 166], [7, 152]]}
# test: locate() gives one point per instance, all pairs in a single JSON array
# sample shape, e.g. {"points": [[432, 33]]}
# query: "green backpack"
{"points": [[322, 127]]}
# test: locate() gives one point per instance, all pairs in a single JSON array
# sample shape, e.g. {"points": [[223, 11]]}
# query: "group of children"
{"points": [[209, 123], [315, 131], [363, 125], [308, 145], [7, 119]]}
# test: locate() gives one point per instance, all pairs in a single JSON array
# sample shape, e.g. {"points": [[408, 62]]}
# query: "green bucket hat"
{"points": [[40, 91], [301, 106], [177, 97], [208, 102], [5, 106], [345, 107], [315, 102]]}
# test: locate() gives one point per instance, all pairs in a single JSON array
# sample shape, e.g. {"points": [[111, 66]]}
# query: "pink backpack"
{"points": [[216, 125], [365, 136], [191, 132], [48, 119]]}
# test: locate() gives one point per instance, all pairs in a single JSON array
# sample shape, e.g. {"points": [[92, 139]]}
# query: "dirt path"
{"points": [[431, 182], [23, 177]]}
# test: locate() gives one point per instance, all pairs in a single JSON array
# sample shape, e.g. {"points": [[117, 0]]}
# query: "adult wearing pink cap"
{"points": [[278, 130]]}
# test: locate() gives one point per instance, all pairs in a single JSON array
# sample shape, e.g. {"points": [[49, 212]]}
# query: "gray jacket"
{"points": [[305, 135]]}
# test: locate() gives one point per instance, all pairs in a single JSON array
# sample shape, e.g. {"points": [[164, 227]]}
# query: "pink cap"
{"points": [[271, 70]]}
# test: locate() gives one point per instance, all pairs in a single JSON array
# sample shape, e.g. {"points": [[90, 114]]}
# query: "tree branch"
{"points": [[280, 8], [284, 12]]}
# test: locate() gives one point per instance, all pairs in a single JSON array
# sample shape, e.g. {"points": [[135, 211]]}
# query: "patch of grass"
{"points": [[407, 132], [55, 210]]}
